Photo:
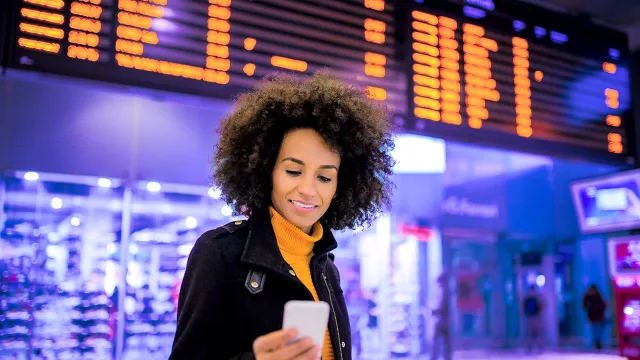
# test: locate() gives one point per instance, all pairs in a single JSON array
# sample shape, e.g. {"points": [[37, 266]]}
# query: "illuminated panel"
{"points": [[83, 53], [51, 4], [523, 86], [86, 10], [449, 71], [375, 63], [236, 38], [139, 21], [426, 66], [135, 20], [39, 45], [376, 93], [377, 5], [85, 25], [44, 16], [289, 64], [44, 31], [572, 80], [83, 38], [171, 68], [135, 34], [374, 31], [142, 8], [479, 84], [218, 37], [249, 69], [609, 67], [40, 27], [612, 101]]}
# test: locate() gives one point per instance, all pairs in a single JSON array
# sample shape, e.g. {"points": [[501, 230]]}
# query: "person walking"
{"points": [[532, 309], [595, 306]]}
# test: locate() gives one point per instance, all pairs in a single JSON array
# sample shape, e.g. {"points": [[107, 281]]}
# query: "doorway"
{"points": [[476, 295], [535, 272]]}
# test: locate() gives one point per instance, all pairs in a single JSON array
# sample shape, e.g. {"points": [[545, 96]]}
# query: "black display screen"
{"points": [[495, 72], [506, 70], [213, 48]]}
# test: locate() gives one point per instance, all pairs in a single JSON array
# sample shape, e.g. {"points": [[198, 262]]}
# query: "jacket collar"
{"points": [[261, 247]]}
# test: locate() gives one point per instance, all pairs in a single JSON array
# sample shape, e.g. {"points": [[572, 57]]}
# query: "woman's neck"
{"points": [[291, 238]]}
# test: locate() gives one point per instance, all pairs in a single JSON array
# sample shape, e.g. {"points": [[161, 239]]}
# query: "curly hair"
{"points": [[352, 125]]}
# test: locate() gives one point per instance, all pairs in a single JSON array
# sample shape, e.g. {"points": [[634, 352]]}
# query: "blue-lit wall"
{"points": [[535, 211], [101, 130]]}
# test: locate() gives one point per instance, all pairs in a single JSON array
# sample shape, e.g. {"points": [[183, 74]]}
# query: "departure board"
{"points": [[213, 48], [496, 72], [506, 72]]}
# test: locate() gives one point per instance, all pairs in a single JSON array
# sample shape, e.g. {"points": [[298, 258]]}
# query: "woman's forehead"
{"points": [[308, 146]]}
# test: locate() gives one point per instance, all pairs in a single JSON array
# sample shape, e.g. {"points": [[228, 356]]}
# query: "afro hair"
{"points": [[355, 127]]}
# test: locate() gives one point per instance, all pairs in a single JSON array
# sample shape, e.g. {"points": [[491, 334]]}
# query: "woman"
{"points": [[299, 158], [594, 304]]}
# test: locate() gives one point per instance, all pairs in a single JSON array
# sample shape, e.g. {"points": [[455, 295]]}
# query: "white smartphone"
{"points": [[309, 317]]}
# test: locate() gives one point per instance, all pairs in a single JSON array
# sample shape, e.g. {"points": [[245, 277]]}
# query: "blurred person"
{"points": [[594, 304], [374, 340], [533, 308], [298, 158], [357, 307], [441, 345]]}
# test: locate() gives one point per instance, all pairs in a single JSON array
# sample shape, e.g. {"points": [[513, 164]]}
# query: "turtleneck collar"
{"points": [[290, 238]]}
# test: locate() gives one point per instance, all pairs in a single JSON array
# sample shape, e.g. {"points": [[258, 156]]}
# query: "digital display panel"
{"points": [[624, 260], [212, 48], [609, 203], [494, 72], [627, 256], [513, 72]]}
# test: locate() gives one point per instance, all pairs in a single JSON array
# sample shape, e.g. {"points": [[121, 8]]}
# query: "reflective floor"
{"points": [[515, 355]]}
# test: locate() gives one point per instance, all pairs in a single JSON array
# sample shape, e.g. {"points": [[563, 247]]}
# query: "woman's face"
{"points": [[305, 178]]}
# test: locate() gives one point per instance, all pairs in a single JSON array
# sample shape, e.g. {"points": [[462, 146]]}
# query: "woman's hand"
{"points": [[273, 346]]}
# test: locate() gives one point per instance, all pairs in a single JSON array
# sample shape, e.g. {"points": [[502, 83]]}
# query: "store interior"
{"points": [[62, 253]]}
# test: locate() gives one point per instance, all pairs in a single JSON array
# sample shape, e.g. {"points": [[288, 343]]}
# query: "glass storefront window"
{"points": [[166, 222], [474, 276], [380, 274], [58, 266], [66, 294]]}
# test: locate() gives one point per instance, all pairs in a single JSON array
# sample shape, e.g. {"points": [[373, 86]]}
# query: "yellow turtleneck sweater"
{"points": [[296, 248]]}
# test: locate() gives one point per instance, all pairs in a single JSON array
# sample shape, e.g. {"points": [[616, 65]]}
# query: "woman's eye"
{"points": [[324, 179], [294, 173]]}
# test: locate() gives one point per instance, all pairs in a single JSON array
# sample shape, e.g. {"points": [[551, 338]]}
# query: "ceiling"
{"points": [[620, 14]]}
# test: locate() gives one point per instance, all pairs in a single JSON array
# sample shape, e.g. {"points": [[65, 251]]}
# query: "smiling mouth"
{"points": [[303, 205]]}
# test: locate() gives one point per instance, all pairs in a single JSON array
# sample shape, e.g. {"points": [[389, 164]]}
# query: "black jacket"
{"points": [[595, 306], [221, 311]]}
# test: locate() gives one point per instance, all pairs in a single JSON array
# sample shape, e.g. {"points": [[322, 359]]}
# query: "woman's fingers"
{"points": [[274, 340], [300, 350]]}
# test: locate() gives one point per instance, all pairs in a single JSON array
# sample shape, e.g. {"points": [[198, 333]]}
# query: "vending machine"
{"points": [[624, 267]]}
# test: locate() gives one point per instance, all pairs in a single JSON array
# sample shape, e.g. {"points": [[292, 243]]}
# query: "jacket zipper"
{"points": [[335, 317]]}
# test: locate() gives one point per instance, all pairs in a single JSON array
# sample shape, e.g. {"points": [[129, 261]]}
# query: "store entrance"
{"points": [[476, 295], [535, 275]]}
